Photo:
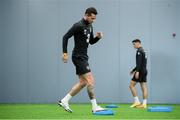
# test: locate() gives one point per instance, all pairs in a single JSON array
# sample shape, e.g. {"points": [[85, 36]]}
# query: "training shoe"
{"points": [[65, 106], [135, 104], [144, 106], [98, 108]]}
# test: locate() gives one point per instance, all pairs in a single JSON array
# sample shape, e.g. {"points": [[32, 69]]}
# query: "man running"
{"points": [[83, 36]]}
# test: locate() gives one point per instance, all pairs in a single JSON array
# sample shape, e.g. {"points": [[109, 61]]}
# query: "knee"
{"points": [[90, 84], [131, 86], [83, 84], [90, 80]]}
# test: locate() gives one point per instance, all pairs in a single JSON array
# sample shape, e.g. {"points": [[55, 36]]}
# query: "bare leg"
{"points": [[132, 88], [88, 77], [134, 93], [90, 90], [144, 90], [77, 87]]}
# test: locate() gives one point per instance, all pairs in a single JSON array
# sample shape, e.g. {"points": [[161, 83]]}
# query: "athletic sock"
{"points": [[144, 101], [94, 103], [136, 99], [66, 98]]}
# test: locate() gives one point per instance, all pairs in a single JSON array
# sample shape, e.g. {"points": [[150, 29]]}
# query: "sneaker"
{"points": [[65, 106], [144, 106], [135, 104], [98, 108]]}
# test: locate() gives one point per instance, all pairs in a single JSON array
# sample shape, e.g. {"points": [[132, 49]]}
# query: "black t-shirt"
{"points": [[83, 36], [141, 61]]}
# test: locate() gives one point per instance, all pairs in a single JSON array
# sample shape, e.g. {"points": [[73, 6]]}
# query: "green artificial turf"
{"points": [[81, 111]]}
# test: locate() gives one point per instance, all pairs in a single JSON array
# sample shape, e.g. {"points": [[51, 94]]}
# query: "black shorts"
{"points": [[142, 77], [81, 65]]}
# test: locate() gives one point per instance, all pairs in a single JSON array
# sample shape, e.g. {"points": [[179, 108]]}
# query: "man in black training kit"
{"points": [[83, 36], [139, 75]]}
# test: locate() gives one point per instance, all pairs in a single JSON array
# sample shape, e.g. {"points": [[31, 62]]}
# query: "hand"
{"points": [[137, 75], [99, 34], [65, 57], [132, 72]]}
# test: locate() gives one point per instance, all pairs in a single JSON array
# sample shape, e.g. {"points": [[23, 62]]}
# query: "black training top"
{"points": [[141, 61], [83, 35]]}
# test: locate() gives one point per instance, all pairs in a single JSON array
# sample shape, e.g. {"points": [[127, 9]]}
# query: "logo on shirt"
{"points": [[145, 54], [85, 31], [88, 38], [88, 35]]}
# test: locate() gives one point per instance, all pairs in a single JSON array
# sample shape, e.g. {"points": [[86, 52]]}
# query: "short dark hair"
{"points": [[91, 10], [136, 40]]}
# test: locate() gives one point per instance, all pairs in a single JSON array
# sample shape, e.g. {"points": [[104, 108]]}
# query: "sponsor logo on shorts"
{"points": [[87, 68]]}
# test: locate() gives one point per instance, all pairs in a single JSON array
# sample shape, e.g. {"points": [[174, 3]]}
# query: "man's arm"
{"points": [[138, 64], [138, 61], [66, 37], [93, 39], [133, 70]]}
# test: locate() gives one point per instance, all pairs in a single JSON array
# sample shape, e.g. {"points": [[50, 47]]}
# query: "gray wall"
{"points": [[14, 41], [164, 47], [1, 10], [178, 37], [31, 70]]}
